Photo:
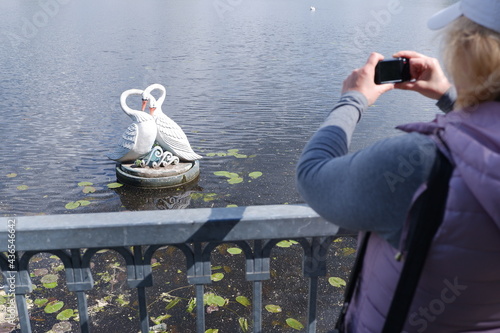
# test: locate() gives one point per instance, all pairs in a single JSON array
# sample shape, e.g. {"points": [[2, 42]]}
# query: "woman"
{"points": [[374, 189]]}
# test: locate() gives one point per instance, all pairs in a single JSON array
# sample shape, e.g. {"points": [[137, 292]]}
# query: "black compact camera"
{"points": [[392, 71]]}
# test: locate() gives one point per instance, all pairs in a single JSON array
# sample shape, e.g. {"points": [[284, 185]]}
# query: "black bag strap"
{"points": [[353, 279], [429, 213]]}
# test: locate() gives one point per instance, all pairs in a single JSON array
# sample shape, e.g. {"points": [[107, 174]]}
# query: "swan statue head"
{"points": [[147, 96]]}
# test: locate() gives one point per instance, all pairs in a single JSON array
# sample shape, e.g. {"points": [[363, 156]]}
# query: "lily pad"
{"points": [[12, 175], [84, 202], [65, 314], [114, 185], [337, 282], [49, 278], [61, 327], [286, 243], [50, 285], [41, 301], [234, 250], [243, 301], [22, 187], [217, 277], [53, 306], [235, 180], [72, 205], [295, 324], [273, 308], [88, 189], [212, 330], [85, 184], [211, 298], [255, 174], [348, 251]]}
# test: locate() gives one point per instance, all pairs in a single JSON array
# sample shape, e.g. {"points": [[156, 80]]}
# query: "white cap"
{"points": [[482, 12]]}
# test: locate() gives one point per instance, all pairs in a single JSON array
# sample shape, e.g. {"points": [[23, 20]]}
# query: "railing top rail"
{"points": [[96, 230]]}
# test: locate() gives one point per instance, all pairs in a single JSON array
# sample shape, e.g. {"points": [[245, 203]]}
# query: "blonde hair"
{"points": [[472, 56]]}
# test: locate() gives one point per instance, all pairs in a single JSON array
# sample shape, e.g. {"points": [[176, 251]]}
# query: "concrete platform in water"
{"points": [[170, 176]]}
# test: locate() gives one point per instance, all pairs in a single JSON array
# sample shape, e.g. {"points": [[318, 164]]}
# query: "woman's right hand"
{"points": [[426, 73]]}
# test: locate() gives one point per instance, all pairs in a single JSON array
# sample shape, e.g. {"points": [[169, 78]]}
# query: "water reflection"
{"points": [[134, 198]]}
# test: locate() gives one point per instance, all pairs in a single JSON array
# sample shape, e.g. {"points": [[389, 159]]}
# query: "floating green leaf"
{"points": [[114, 185], [243, 324], [235, 180], [60, 327], [84, 202], [72, 205], [232, 151], [255, 174], [172, 303], [240, 156], [348, 251], [209, 197], [49, 278], [286, 243], [41, 302], [65, 314], [217, 277], [243, 301], [85, 184], [211, 298], [50, 285], [53, 306], [88, 189], [226, 174], [231, 206], [295, 324], [212, 330], [12, 175], [337, 282], [234, 250], [273, 308], [22, 187]]}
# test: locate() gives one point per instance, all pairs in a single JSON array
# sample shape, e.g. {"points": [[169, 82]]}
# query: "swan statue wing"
{"points": [[126, 143], [171, 137]]}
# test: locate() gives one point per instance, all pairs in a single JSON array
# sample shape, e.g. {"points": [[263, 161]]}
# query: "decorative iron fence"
{"points": [[76, 238]]}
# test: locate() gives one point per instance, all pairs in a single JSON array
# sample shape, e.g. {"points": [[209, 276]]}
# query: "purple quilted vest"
{"points": [[459, 290]]}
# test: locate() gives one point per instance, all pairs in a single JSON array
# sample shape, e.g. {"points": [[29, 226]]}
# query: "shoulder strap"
{"points": [[353, 279], [429, 213]]}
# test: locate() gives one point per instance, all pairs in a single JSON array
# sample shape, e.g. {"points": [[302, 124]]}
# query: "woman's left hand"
{"points": [[363, 80]]}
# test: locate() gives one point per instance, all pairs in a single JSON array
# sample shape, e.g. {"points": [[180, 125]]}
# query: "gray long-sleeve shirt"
{"points": [[371, 189]]}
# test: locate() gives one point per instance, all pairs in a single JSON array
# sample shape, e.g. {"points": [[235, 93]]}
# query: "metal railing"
{"points": [[76, 238]]}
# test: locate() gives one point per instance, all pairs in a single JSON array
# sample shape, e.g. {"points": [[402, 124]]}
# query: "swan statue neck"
{"points": [[160, 87], [136, 115]]}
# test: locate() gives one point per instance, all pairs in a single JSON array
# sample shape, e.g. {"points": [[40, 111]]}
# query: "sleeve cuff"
{"points": [[447, 101]]}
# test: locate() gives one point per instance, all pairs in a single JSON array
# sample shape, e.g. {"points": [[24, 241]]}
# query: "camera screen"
{"points": [[391, 71]]}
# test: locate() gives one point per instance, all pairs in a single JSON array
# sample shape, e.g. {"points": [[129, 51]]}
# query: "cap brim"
{"points": [[445, 17]]}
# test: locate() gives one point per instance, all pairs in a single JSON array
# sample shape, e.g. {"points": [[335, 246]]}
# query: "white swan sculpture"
{"points": [[140, 136], [170, 136]]}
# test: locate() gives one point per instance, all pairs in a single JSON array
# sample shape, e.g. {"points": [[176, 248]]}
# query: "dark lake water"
{"points": [[254, 75]]}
